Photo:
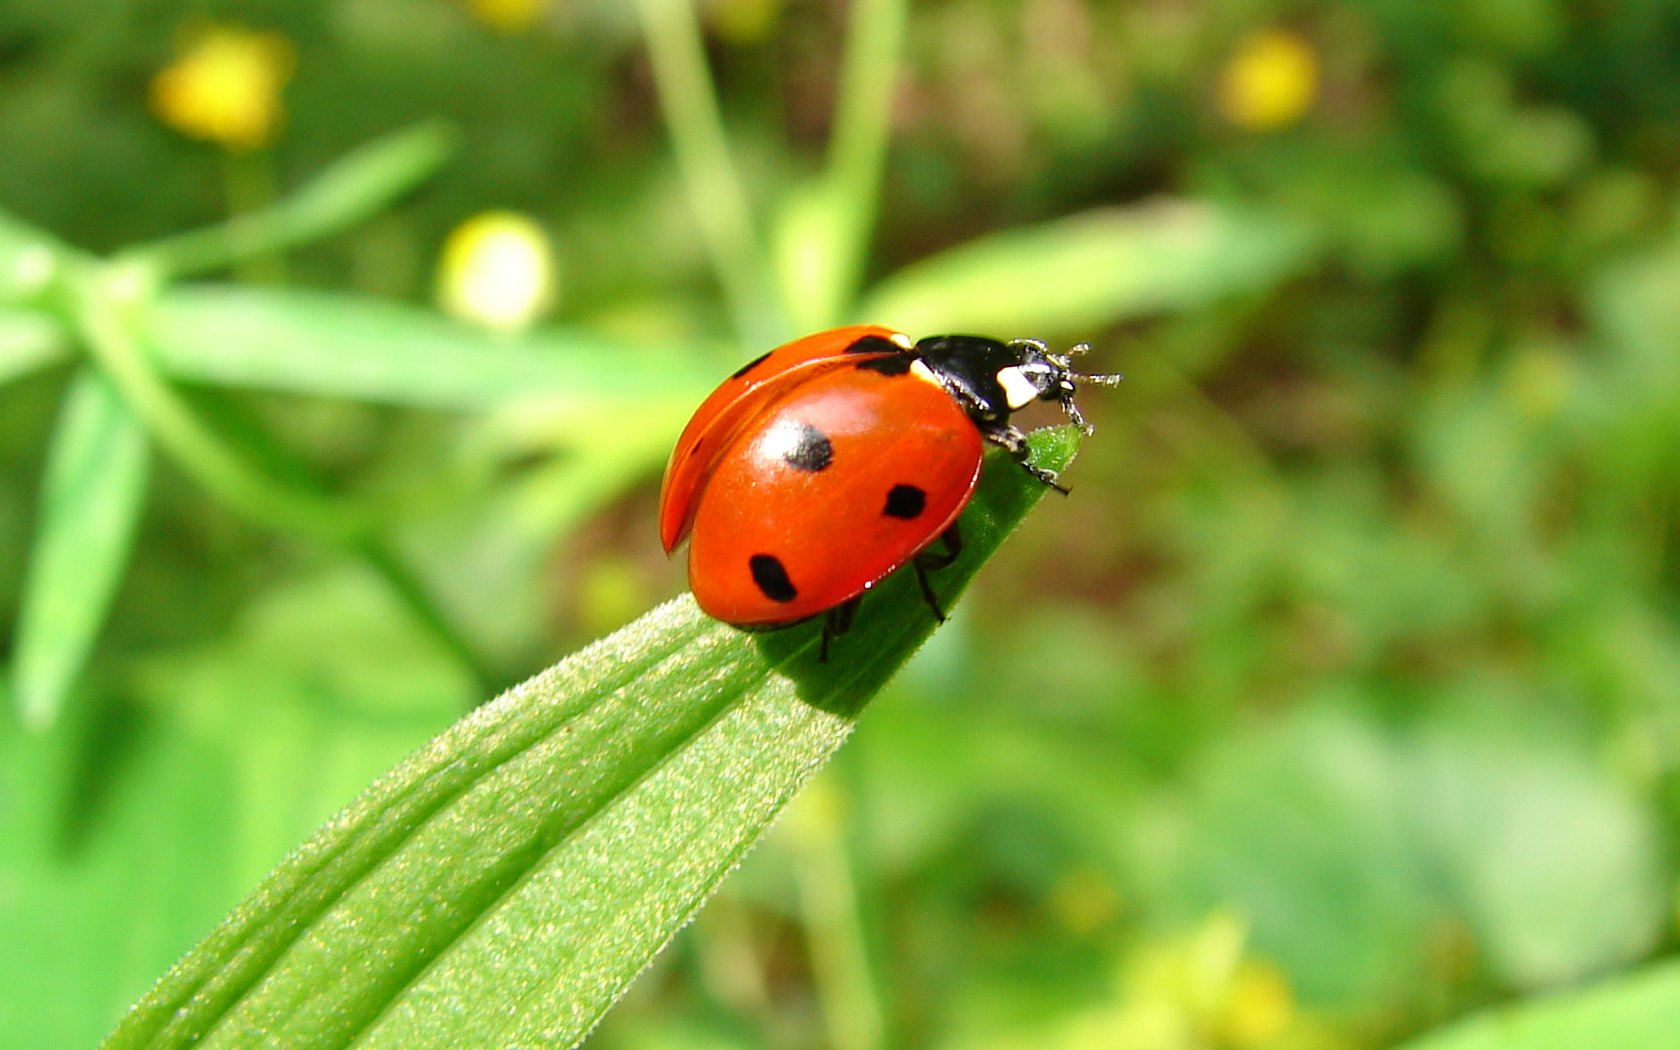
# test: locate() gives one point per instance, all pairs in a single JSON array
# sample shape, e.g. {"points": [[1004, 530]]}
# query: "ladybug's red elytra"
{"points": [[824, 465]]}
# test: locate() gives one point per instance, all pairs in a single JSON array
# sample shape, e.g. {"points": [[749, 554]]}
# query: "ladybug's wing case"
{"points": [[843, 479], [742, 397]]}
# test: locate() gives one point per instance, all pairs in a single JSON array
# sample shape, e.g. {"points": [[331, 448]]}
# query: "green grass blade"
{"points": [[91, 499], [723, 214], [344, 346], [505, 884], [31, 261], [28, 341], [821, 233], [1639, 1011], [1082, 272], [356, 187]]}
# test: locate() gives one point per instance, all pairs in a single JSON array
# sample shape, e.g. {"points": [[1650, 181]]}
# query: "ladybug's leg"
{"points": [[925, 561], [1077, 418], [928, 596], [1015, 443], [836, 623], [952, 539]]}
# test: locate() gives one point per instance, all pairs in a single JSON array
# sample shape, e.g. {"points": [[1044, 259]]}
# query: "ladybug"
{"points": [[821, 467]]}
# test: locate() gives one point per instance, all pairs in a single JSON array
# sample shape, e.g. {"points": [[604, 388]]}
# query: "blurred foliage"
{"points": [[1336, 705]]}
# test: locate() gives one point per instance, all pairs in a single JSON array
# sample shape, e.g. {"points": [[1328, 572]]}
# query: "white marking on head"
{"points": [[1018, 390], [920, 370], [901, 340]]}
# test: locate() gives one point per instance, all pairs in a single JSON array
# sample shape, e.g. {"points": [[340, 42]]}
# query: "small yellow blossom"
{"points": [[1270, 81], [1206, 978], [1259, 1006], [224, 86], [508, 16], [497, 270], [1200, 989]]}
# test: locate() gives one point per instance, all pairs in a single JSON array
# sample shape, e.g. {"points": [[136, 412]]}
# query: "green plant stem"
{"points": [[862, 122], [427, 612], [105, 301], [29, 341], [101, 317], [839, 957], [248, 180], [355, 187], [730, 966], [688, 100]]}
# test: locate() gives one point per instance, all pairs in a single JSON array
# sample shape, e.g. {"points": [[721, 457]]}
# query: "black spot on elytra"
{"points": [[809, 449], [895, 365], [905, 502], [772, 578], [750, 365], [874, 344]]}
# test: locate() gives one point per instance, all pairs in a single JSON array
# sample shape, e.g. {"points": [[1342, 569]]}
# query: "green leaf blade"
{"points": [[91, 499], [506, 883], [31, 260], [336, 345], [28, 341], [1637, 1011], [356, 187], [1091, 269]]}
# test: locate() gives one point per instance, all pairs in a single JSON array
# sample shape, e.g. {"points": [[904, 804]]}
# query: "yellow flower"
{"points": [[1259, 1005], [1270, 81], [508, 16], [224, 86], [497, 270], [1206, 978]]}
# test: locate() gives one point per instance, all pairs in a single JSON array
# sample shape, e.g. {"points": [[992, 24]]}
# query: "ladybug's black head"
{"points": [[994, 379], [1051, 377]]}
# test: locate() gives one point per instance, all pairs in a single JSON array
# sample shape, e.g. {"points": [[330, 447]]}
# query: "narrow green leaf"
{"points": [[1639, 1011], [91, 499], [1091, 269], [689, 103], [28, 341], [29, 260], [820, 234], [812, 241], [354, 188], [320, 343], [504, 885]]}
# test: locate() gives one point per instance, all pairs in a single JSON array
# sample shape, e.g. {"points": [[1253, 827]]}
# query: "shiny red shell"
{"points": [[813, 473]]}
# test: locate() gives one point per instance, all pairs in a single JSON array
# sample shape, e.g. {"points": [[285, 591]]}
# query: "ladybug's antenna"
{"points": [[1066, 379], [1098, 378], [1065, 362]]}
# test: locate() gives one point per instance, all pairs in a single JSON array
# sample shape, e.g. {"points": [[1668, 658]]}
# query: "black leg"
{"points": [[1076, 417], [1015, 443], [928, 561], [836, 623], [952, 539], [928, 596]]}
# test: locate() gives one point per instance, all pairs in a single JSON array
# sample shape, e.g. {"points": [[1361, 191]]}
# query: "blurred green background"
{"points": [[1341, 699]]}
